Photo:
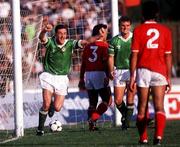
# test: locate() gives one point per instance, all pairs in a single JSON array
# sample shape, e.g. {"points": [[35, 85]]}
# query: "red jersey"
{"points": [[152, 41], [95, 56]]}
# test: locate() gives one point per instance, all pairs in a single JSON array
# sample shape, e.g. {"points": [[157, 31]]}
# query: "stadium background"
{"points": [[79, 28], [82, 29], [80, 23]]}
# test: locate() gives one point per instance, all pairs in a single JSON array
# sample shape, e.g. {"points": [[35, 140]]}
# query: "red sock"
{"points": [[142, 128], [100, 110], [95, 116], [160, 124]]}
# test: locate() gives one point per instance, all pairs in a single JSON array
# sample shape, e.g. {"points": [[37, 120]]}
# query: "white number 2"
{"points": [[94, 48], [150, 41]]}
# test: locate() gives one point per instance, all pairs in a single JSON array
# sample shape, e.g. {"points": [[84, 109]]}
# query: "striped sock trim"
{"points": [[130, 106], [43, 112]]}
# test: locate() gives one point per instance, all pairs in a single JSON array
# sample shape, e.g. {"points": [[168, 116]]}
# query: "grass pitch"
{"points": [[106, 136]]}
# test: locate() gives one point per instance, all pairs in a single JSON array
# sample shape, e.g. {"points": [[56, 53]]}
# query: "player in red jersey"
{"points": [[94, 75], [152, 60]]}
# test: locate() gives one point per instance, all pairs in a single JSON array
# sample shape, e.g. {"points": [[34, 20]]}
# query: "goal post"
{"points": [[17, 68], [115, 31], [19, 33]]}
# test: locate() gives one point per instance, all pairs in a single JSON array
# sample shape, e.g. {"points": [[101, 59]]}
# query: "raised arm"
{"points": [[42, 36]]}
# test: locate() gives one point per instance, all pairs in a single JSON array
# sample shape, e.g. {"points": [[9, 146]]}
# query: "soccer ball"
{"points": [[55, 126]]}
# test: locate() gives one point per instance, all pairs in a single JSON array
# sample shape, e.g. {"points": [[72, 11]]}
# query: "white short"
{"points": [[54, 83], [121, 77], [146, 78], [94, 79]]}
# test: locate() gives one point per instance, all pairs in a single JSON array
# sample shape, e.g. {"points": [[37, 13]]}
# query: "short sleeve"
{"points": [[111, 48], [47, 42]]}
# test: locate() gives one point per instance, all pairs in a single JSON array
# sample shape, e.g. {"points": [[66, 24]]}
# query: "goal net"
{"points": [[29, 40], [80, 16], [30, 28]]}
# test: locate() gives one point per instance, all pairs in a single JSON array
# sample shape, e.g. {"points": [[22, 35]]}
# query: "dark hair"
{"points": [[150, 10], [97, 28], [60, 26], [124, 18]]}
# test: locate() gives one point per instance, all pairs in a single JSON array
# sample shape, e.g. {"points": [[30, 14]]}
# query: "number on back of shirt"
{"points": [[93, 58], [151, 42]]}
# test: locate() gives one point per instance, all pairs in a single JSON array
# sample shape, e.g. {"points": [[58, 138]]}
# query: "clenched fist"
{"points": [[48, 28]]}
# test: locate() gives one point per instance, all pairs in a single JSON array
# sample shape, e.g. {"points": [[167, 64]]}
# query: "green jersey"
{"points": [[120, 48], [58, 57]]}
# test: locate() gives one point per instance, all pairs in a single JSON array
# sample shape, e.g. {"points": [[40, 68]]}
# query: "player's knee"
{"points": [[105, 94]]}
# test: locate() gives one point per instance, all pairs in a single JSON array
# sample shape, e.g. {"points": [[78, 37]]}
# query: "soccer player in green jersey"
{"points": [[54, 80], [119, 54]]}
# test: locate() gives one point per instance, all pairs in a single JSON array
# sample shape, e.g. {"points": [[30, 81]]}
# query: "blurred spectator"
{"points": [[67, 11], [5, 34], [80, 16], [37, 68], [4, 9], [30, 28]]}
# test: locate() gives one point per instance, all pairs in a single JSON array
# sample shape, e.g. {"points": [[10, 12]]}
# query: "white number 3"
{"points": [[94, 57], [150, 41]]}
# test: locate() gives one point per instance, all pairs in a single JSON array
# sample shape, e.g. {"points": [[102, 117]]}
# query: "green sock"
{"points": [[42, 118], [122, 108], [129, 113]]}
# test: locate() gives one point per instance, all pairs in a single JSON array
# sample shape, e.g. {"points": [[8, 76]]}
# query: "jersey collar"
{"points": [[148, 22], [60, 46], [125, 40]]}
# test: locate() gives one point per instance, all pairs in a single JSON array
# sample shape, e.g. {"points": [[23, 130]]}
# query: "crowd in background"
{"points": [[80, 16]]}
